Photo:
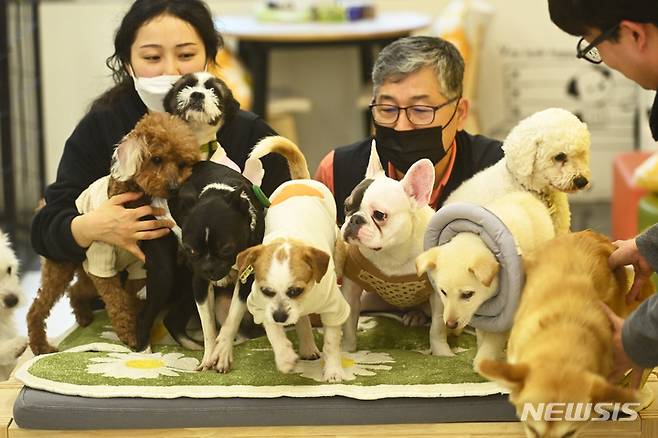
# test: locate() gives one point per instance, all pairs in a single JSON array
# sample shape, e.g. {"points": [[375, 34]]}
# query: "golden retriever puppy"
{"points": [[560, 346]]}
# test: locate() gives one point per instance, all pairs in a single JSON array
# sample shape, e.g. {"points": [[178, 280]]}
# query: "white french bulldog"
{"points": [[385, 221]]}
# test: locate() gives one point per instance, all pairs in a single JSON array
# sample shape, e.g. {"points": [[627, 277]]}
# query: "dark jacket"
{"points": [[87, 156], [640, 331], [474, 153]]}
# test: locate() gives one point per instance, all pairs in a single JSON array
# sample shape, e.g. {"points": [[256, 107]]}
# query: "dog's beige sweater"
{"points": [[399, 290], [104, 260]]}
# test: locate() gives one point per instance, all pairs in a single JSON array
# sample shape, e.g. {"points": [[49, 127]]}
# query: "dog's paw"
{"points": [[141, 294], [333, 374], [20, 346], [482, 355], [286, 360], [415, 318], [348, 344], [442, 349], [309, 352], [208, 361], [84, 320], [222, 354], [146, 350], [43, 349]]}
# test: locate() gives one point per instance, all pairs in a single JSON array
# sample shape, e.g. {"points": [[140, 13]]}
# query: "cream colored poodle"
{"points": [[546, 154]]}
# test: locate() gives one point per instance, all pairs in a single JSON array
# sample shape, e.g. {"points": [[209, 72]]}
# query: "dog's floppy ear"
{"points": [[418, 182], [318, 261], [170, 101], [231, 105], [601, 391], [128, 156], [374, 169], [427, 260], [181, 204], [521, 156], [248, 257], [511, 376], [239, 199], [485, 268]]}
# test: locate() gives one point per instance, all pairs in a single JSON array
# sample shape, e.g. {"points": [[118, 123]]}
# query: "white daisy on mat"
{"points": [[142, 366], [360, 363]]}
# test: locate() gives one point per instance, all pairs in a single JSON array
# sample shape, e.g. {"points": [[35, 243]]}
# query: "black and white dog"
{"points": [[206, 103], [220, 216]]}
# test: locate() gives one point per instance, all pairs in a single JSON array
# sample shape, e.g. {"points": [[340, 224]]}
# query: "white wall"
{"points": [[521, 40]]}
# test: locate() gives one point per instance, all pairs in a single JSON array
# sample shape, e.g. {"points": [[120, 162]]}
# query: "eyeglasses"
{"points": [[418, 115], [590, 52]]}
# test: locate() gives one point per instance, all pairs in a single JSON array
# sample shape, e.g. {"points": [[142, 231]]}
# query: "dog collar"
{"points": [[210, 148], [262, 198], [244, 276]]}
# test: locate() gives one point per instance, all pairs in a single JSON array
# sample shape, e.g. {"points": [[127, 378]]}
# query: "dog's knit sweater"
{"points": [[102, 259], [399, 290]]}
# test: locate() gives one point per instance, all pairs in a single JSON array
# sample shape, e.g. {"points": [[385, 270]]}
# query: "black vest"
{"points": [[474, 153]]}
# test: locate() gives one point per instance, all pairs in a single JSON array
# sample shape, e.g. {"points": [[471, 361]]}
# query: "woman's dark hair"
{"points": [[194, 12], [578, 17]]}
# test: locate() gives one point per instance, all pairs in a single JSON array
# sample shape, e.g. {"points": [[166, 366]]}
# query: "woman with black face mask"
{"points": [[418, 112]]}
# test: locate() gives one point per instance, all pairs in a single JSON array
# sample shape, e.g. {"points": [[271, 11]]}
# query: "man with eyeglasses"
{"points": [[418, 112], [624, 35]]}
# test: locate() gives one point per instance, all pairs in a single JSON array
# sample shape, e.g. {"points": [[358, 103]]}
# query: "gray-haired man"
{"points": [[419, 112]]}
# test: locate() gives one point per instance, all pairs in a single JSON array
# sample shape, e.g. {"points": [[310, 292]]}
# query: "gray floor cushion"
{"points": [[35, 409]]}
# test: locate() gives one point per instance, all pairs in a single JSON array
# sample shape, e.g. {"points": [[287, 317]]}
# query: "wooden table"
{"points": [[256, 40], [644, 427]]}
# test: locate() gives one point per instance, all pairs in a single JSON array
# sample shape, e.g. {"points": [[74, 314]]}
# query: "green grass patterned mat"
{"points": [[394, 361]]}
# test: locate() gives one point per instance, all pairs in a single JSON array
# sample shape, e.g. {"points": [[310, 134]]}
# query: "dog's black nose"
{"points": [[357, 219], [352, 229], [197, 95], [280, 316], [580, 181], [10, 300]]}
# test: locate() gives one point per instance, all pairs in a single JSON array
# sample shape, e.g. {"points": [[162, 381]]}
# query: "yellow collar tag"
{"points": [[246, 273]]}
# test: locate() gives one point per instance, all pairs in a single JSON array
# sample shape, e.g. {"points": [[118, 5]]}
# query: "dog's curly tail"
{"points": [[289, 150]]}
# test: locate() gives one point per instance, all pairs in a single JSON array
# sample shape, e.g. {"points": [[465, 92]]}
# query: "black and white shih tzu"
{"points": [[206, 103]]}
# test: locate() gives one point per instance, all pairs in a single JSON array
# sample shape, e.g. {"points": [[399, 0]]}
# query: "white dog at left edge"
{"points": [[11, 295]]}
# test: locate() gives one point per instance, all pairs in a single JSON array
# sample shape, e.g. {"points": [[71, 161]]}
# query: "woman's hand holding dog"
{"points": [[627, 253], [116, 225]]}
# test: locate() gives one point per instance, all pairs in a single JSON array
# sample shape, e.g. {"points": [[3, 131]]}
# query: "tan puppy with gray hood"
{"points": [[293, 271], [471, 287]]}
